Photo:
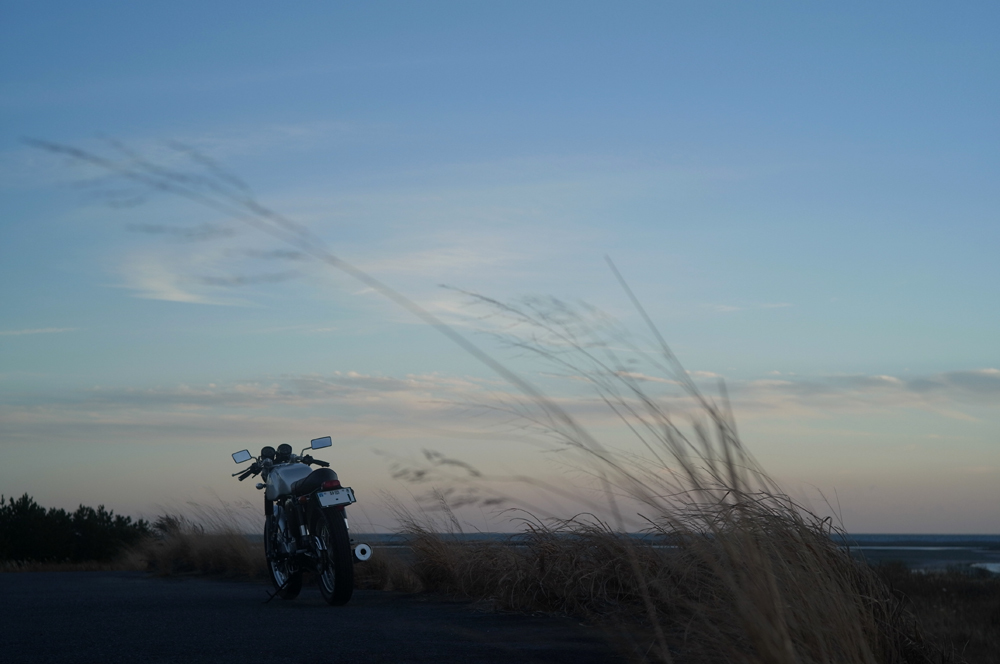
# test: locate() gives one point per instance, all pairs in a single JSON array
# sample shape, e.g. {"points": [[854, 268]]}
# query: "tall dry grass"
{"points": [[206, 539], [388, 570], [739, 572], [183, 546], [761, 588], [218, 540]]}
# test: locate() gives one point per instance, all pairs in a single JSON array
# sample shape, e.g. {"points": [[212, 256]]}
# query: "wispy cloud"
{"points": [[171, 277], [199, 233], [41, 330], [301, 329], [433, 398], [249, 279], [367, 391], [730, 308], [273, 254], [365, 405], [152, 279], [644, 378], [945, 393]]}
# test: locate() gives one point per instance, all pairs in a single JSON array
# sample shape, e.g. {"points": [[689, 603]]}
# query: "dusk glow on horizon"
{"points": [[802, 197]]}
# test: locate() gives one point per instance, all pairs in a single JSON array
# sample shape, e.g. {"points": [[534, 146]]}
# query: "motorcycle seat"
{"points": [[312, 481]]}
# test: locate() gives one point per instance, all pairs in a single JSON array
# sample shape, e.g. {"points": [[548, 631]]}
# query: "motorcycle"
{"points": [[305, 525]]}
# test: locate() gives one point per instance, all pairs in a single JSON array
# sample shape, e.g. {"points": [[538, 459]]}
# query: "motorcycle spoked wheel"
{"points": [[336, 571], [287, 580]]}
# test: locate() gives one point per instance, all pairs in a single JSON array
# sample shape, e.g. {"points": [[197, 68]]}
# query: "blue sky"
{"points": [[801, 195]]}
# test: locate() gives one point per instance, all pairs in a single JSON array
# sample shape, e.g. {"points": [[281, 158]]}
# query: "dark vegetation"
{"points": [[957, 610], [31, 533]]}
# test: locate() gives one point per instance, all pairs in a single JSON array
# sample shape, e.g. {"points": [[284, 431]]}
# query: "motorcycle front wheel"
{"points": [[287, 580], [336, 569]]}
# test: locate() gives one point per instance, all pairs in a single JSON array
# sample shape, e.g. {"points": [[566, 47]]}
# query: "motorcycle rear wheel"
{"points": [[287, 581], [336, 571]]}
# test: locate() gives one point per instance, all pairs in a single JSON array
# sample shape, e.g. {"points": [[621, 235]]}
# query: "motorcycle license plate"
{"points": [[344, 496]]}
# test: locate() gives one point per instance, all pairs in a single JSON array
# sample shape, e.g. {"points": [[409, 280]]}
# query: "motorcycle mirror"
{"points": [[242, 456], [319, 443]]}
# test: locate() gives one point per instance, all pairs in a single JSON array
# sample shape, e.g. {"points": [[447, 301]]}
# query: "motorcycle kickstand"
{"points": [[271, 596]]}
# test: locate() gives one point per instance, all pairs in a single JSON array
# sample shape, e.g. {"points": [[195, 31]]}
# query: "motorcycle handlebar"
{"points": [[256, 467], [252, 470], [309, 460]]}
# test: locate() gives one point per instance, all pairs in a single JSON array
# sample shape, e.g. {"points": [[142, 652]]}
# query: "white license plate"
{"points": [[343, 496]]}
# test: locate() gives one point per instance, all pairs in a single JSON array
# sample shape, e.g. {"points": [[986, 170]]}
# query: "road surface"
{"points": [[108, 617]]}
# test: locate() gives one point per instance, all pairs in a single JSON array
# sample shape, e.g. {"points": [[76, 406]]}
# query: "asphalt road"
{"points": [[107, 617]]}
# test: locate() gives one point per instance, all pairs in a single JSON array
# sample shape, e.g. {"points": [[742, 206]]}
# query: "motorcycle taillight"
{"points": [[331, 484]]}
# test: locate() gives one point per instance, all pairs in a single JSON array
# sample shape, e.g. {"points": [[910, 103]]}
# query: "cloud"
{"points": [[444, 407], [275, 254], [303, 329], [411, 392], [42, 330], [729, 308], [152, 278], [199, 233], [944, 393], [172, 277], [644, 378], [249, 280], [364, 406], [476, 254], [982, 382]]}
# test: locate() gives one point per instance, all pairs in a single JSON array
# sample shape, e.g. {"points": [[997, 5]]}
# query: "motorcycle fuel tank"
{"points": [[280, 479]]}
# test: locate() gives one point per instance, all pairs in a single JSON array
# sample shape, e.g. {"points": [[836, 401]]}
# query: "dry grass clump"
{"points": [[217, 544], [767, 590], [388, 570], [580, 567], [181, 546], [959, 610]]}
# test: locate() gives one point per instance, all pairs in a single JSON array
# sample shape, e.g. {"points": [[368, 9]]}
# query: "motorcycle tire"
{"points": [[287, 583], [336, 573]]}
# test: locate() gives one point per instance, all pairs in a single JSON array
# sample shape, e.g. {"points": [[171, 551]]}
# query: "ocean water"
{"points": [[918, 552], [927, 552]]}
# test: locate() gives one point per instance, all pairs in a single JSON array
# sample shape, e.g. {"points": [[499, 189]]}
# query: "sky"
{"points": [[802, 196]]}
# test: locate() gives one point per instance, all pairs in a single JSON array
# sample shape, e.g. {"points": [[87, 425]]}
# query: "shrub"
{"points": [[29, 532]]}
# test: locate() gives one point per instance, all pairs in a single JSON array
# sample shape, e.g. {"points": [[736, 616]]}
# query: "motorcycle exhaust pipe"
{"points": [[362, 552]]}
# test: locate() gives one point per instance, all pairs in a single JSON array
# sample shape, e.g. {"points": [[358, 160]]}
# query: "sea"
{"points": [[922, 553], [928, 552]]}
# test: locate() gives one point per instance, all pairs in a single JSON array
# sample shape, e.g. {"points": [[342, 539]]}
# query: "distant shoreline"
{"points": [[930, 552]]}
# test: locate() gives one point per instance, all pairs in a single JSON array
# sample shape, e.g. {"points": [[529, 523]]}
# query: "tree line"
{"points": [[29, 531]]}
